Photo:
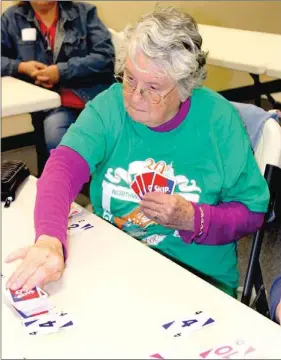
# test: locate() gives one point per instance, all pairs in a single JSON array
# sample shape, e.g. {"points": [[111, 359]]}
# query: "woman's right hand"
{"points": [[42, 263], [30, 67]]}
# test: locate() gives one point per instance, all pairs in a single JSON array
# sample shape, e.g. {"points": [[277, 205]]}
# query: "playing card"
{"points": [[74, 210], [147, 179], [19, 295], [65, 321], [136, 188], [140, 183], [48, 323], [41, 325], [156, 356], [28, 302], [24, 316], [163, 184], [35, 311], [238, 349], [186, 325]]}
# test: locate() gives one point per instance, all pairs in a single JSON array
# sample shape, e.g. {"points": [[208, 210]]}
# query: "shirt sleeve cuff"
{"points": [[14, 65], [63, 70], [198, 234]]}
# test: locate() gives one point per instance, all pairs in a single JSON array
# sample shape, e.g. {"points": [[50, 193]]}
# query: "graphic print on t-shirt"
{"points": [[121, 203]]}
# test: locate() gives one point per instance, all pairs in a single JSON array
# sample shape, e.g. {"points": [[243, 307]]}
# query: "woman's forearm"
{"points": [[222, 224], [63, 177]]}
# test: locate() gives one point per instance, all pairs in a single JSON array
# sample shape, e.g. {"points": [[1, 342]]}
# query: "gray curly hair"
{"points": [[170, 39]]}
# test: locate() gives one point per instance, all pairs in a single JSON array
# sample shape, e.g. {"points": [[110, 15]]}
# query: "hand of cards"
{"points": [[152, 181], [37, 314]]}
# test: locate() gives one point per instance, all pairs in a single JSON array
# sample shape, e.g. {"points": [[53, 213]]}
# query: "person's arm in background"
{"points": [[11, 65], [99, 60], [9, 61], [275, 300], [101, 57]]}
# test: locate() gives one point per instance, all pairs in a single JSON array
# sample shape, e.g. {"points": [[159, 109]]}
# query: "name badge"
{"points": [[28, 34]]}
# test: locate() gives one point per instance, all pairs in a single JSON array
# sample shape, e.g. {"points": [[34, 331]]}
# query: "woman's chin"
{"points": [[139, 116]]}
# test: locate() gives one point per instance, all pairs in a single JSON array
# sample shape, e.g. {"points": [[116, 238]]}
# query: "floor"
{"points": [[271, 251]]}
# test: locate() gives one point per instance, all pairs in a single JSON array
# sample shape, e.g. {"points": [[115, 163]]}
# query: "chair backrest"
{"points": [[118, 43], [268, 150]]}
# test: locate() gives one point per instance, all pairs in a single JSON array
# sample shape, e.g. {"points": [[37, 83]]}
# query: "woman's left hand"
{"points": [[171, 211], [47, 77]]}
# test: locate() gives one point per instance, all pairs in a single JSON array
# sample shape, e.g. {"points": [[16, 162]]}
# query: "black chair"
{"points": [[268, 156]]}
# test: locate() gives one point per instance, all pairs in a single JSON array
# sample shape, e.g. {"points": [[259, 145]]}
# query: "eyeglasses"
{"points": [[149, 95]]}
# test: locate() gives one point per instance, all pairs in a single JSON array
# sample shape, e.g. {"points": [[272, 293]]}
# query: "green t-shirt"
{"points": [[208, 155]]}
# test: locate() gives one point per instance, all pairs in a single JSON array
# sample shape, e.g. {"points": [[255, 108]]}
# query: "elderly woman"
{"points": [[159, 121]]}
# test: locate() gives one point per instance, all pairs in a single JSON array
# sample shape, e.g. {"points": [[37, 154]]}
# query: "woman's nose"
{"points": [[137, 95]]}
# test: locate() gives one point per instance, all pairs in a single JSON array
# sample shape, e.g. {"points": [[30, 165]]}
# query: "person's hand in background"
{"points": [[47, 77], [30, 67], [41, 263]]}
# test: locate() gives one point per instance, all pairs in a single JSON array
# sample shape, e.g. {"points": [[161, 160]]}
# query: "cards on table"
{"points": [[37, 314], [28, 302], [186, 325], [74, 210], [238, 349], [47, 323], [152, 181]]}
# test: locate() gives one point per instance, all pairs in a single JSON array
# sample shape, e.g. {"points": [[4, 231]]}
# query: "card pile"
{"points": [[152, 181], [37, 314]]}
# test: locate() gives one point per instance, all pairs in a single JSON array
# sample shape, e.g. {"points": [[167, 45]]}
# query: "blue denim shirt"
{"points": [[83, 49]]}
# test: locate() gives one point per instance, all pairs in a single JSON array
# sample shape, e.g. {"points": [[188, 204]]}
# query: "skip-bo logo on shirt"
{"points": [[20, 295]]}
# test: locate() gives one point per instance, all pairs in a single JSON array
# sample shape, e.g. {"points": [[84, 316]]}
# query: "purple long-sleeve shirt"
{"points": [[66, 172]]}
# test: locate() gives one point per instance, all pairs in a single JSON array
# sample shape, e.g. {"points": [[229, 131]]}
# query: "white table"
{"points": [[20, 97], [131, 291], [251, 51], [273, 66]]}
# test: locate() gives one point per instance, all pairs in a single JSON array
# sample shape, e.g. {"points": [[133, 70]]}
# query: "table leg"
{"points": [[257, 84]]}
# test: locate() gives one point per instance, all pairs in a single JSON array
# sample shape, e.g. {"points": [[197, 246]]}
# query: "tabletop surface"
{"points": [[119, 293], [21, 97], [250, 51]]}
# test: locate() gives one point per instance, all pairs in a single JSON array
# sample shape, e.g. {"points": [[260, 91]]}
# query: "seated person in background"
{"points": [[67, 49], [275, 300], [158, 119]]}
